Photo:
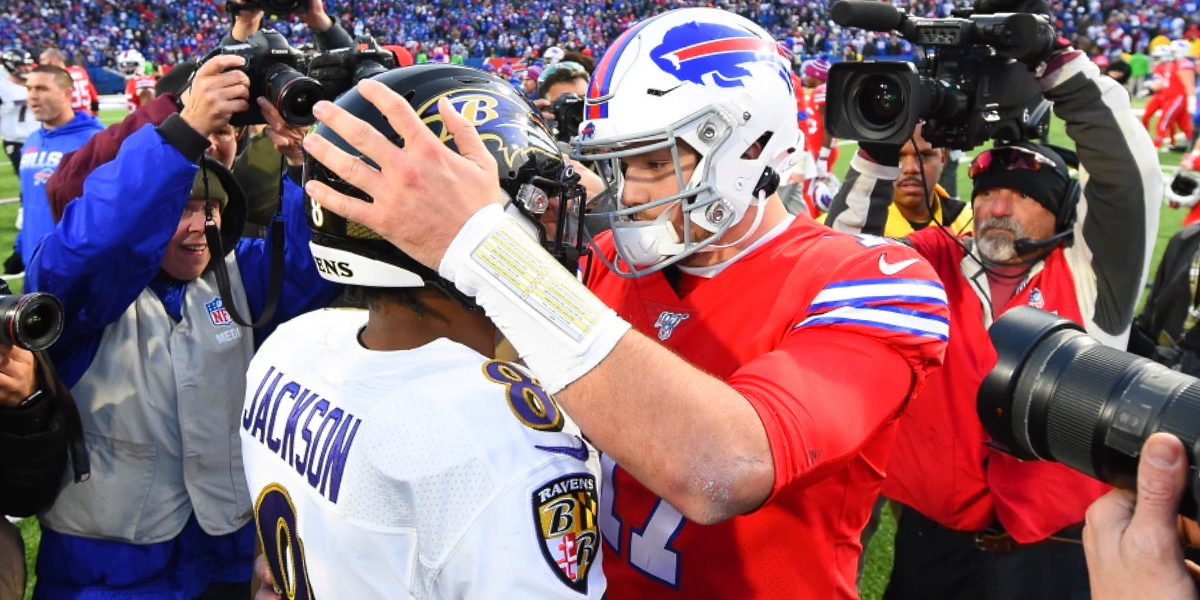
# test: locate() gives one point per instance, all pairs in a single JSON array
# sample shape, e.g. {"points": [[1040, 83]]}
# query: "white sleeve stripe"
{"points": [[882, 318], [879, 291]]}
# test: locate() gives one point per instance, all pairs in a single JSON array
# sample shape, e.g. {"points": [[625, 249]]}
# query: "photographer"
{"points": [[155, 361], [33, 457], [327, 32], [979, 523], [561, 87], [1132, 540]]}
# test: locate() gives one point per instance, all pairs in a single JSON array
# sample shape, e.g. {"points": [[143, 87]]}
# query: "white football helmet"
{"points": [[717, 82], [1181, 49], [131, 62], [1184, 189], [1161, 54]]}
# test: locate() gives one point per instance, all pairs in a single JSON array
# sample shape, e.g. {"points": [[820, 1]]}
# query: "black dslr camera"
{"points": [[339, 69], [568, 116], [969, 88], [32, 321], [1058, 394], [271, 7], [275, 71]]}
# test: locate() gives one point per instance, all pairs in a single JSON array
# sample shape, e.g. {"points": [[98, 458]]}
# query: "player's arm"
{"points": [[691, 438]]}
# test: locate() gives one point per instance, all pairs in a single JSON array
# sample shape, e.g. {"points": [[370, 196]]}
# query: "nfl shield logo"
{"points": [[1035, 298], [217, 313]]}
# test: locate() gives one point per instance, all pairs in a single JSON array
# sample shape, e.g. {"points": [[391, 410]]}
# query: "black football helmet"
{"points": [[542, 188], [17, 62]]}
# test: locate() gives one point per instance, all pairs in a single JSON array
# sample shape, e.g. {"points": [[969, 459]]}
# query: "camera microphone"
{"points": [[866, 14], [1026, 245]]}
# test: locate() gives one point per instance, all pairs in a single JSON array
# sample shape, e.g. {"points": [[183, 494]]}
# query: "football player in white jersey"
{"points": [[390, 453]]}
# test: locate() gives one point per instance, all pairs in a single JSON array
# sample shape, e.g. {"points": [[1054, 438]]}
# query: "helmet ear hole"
{"points": [[755, 149]]}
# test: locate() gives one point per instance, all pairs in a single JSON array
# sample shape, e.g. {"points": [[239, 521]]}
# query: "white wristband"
{"points": [[559, 328]]}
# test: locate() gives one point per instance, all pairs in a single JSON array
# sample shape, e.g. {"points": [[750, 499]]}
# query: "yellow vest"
{"points": [[897, 226]]}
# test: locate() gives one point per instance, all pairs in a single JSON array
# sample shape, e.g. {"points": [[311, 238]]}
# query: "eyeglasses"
{"points": [[1010, 158], [569, 65]]}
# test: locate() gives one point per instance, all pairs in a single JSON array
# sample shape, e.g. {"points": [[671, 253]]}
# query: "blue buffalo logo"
{"points": [[714, 54], [588, 131]]}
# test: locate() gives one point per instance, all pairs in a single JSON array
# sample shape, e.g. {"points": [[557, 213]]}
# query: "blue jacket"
{"points": [[110, 244], [39, 158], [106, 250]]}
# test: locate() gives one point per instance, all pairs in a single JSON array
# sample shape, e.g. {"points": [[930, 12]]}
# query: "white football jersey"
{"points": [[425, 473]]}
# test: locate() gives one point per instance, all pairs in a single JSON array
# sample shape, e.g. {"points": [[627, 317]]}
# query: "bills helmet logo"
{"points": [[217, 313], [565, 511], [715, 54], [588, 131]]}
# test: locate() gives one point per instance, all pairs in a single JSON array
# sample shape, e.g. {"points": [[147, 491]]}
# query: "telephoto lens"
{"points": [[1058, 394], [31, 321]]}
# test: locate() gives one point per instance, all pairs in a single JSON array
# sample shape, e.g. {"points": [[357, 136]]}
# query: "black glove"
{"points": [[887, 155]]}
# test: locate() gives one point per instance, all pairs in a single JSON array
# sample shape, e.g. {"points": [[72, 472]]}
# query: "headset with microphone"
{"points": [[1064, 222]]}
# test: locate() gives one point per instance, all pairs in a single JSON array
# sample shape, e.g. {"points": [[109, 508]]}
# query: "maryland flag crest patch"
{"points": [[564, 511]]}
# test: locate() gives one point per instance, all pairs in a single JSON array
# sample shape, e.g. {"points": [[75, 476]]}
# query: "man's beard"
{"points": [[993, 244]]}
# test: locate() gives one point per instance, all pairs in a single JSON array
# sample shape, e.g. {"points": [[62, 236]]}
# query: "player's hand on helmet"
{"points": [[267, 590], [410, 180], [219, 90], [288, 139]]}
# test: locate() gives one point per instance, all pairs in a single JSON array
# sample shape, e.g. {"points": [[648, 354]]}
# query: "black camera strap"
{"points": [[64, 404], [217, 247]]}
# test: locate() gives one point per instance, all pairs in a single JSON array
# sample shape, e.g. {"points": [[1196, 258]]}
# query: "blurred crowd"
{"points": [[93, 32]]}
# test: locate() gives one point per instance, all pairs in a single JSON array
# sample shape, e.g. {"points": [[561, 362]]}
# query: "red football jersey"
{"points": [[135, 84], [83, 92], [827, 335], [1175, 85]]}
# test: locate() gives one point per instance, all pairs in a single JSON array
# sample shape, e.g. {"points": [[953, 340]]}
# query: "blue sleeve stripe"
{"points": [[880, 290], [909, 321], [868, 301]]}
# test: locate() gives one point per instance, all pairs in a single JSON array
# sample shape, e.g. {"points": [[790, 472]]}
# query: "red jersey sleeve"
{"points": [[861, 350]]}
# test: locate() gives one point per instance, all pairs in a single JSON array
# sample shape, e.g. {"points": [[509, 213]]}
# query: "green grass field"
{"points": [[879, 551]]}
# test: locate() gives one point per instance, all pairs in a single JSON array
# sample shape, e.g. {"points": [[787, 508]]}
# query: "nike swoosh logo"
{"points": [[578, 453], [888, 268]]}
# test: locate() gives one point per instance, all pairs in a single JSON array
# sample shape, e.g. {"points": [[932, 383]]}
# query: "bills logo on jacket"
{"points": [[715, 54], [217, 313]]}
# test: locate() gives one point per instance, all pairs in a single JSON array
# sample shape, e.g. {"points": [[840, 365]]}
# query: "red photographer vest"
{"points": [[940, 464]]}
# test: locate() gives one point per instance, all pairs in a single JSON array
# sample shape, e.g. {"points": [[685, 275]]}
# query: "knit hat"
{"points": [[1008, 166], [817, 69], [215, 190]]}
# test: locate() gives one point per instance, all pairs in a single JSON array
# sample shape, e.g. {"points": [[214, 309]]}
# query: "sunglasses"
{"points": [[1009, 158], [569, 65]]}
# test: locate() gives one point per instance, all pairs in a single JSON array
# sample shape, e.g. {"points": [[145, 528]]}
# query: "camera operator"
{"points": [[155, 361], [561, 87], [327, 32], [33, 460], [981, 524], [1132, 540]]}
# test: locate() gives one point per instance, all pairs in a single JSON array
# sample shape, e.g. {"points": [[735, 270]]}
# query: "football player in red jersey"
{"points": [[727, 435], [139, 87]]}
